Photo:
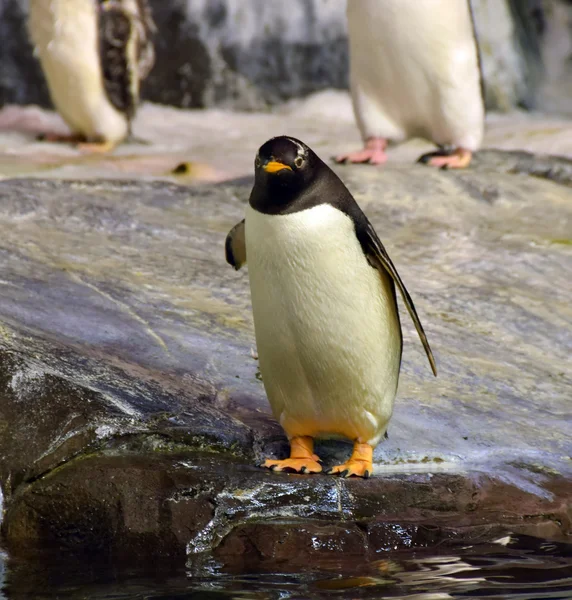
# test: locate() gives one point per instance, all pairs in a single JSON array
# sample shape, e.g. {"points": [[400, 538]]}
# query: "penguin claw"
{"points": [[352, 468], [446, 159], [364, 157], [373, 153], [293, 465]]}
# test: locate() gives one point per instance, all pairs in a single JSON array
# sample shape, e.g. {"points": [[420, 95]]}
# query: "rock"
{"points": [[247, 55], [220, 144], [21, 77], [555, 92], [509, 34], [256, 54], [132, 415]]}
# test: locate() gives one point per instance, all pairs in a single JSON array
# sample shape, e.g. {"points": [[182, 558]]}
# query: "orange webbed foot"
{"points": [[372, 154], [96, 147], [302, 458], [360, 463], [458, 159]]}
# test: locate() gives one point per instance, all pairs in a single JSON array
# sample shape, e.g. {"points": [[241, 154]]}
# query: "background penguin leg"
{"points": [[374, 124], [302, 458], [373, 153], [360, 462], [458, 158]]}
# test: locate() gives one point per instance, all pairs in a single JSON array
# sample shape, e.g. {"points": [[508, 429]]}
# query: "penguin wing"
{"points": [[235, 246], [379, 258], [126, 51]]}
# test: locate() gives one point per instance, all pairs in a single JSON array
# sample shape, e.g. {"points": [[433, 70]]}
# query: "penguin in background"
{"points": [[415, 72], [94, 55], [326, 321]]}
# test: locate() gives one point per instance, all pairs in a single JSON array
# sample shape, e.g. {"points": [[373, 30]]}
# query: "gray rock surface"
{"points": [[132, 414], [253, 54]]}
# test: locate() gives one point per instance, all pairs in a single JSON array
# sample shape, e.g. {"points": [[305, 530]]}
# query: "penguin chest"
{"points": [[326, 324], [65, 34]]}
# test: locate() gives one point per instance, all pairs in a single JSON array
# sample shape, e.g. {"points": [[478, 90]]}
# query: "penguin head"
{"points": [[284, 168]]}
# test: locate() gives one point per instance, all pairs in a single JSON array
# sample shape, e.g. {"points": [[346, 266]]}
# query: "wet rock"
{"points": [[132, 416], [268, 546], [255, 54]]}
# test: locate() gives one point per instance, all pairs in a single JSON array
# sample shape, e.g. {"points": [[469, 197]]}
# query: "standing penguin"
{"points": [[415, 72], [94, 54], [323, 300]]}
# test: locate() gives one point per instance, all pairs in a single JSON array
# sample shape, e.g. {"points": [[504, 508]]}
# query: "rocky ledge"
{"points": [[132, 412]]}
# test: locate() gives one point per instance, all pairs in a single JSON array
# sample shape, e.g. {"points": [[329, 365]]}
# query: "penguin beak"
{"points": [[274, 166]]}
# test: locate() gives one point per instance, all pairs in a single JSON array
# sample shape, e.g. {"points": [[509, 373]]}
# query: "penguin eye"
{"points": [[257, 162], [298, 161]]}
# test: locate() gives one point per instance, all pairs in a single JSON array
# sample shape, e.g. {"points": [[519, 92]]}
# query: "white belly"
{"points": [[326, 324], [414, 71], [65, 35]]}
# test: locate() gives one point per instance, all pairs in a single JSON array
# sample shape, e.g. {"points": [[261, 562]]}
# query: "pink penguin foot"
{"points": [[443, 159], [372, 154]]}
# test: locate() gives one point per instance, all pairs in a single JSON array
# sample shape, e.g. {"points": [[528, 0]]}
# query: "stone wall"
{"points": [[253, 54]]}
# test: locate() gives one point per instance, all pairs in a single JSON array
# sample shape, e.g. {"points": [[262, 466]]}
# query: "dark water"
{"points": [[514, 568]]}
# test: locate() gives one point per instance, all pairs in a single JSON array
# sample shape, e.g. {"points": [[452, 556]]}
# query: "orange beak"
{"points": [[275, 166]]}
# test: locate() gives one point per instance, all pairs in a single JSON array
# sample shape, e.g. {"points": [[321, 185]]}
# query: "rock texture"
{"points": [[254, 54], [132, 412]]}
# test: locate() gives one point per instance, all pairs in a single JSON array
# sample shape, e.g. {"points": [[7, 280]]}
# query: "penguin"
{"points": [[415, 72], [326, 320], [94, 54]]}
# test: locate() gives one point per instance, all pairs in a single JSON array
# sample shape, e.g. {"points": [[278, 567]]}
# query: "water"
{"points": [[512, 568]]}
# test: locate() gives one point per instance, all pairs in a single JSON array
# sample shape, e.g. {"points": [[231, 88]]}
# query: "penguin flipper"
{"points": [[126, 50], [145, 47], [235, 246], [379, 258]]}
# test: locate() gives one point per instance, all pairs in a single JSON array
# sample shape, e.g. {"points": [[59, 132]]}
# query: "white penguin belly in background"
{"points": [[415, 72], [327, 329], [94, 89], [323, 299]]}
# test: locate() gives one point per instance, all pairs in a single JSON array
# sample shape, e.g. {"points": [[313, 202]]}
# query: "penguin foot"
{"points": [[360, 463], [293, 465], [372, 154], [96, 147], [457, 159], [68, 138], [302, 458]]}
